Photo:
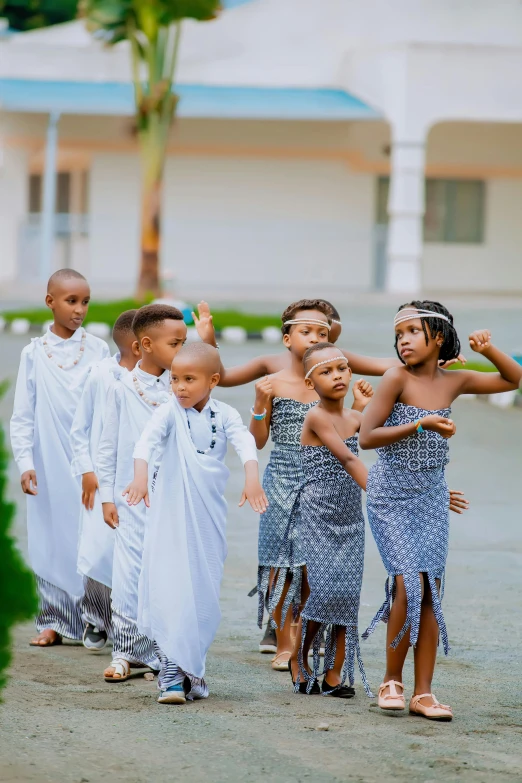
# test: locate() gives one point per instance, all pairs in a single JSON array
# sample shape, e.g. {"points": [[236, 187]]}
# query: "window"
{"points": [[72, 189], [454, 209]]}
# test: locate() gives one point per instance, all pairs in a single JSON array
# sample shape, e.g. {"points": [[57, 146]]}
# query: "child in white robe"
{"points": [[96, 547], [185, 541], [52, 374], [161, 332]]}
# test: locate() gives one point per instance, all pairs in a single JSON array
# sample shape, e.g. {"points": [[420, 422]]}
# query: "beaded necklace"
{"points": [[75, 361], [147, 400], [213, 429]]}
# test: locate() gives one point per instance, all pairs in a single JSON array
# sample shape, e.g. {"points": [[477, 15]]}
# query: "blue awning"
{"points": [[111, 98]]}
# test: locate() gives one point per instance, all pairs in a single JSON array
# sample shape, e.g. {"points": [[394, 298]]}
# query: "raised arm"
{"points": [[374, 434], [368, 365], [260, 428], [323, 427], [509, 374]]}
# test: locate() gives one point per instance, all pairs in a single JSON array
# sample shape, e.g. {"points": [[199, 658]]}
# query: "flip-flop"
{"points": [[121, 667], [279, 665], [57, 639]]}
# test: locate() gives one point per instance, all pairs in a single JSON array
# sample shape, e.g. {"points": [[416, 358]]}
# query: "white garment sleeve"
{"points": [[238, 435], [156, 431], [22, 420], [81, 427], [108, 446]]}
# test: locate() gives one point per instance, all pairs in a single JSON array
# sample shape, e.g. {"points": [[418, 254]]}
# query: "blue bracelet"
{"points": [[419, 427], [258, 416]]}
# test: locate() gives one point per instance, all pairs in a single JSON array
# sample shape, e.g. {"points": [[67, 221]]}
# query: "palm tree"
{"points": [[153, 29]]}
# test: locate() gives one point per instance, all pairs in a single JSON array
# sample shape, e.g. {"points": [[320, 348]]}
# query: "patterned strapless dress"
{"points": [[408, 512], [279, 546], [331, 530]]}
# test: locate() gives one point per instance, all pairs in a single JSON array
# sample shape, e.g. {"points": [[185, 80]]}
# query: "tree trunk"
{"points": [[149, 283]]}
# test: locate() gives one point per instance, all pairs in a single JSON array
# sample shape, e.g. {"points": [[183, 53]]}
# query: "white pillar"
{"points": [[14, 183], [406, 207], [49, 198]]}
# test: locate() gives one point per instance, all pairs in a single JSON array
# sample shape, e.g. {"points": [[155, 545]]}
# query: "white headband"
{"points": [[313, 321], [325, 361], [410, 314]]}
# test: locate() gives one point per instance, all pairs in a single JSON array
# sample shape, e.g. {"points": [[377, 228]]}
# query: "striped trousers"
{"points": [[59, 611], [96, 606], [128, 642]]}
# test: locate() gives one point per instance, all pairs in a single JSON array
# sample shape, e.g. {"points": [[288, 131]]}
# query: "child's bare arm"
{"points": [[322, 425], [362, 394], [253, 491], [509, 374], [260, 428], [457, 502], [368, 365]]}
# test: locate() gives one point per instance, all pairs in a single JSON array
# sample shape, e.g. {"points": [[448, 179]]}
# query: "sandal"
{"points": [[435, 711], [303, 686], [48, 639], [392, 700], [120, 667], [280, 663]]}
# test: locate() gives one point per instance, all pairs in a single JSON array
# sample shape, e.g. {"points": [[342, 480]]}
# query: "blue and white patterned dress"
{"points": [[408, 512], [279, 545], [331, 529]]}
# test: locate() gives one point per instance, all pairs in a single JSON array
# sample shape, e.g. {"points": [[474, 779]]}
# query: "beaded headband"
{"points": [[313, 321], [325, 361], [410, 314]]}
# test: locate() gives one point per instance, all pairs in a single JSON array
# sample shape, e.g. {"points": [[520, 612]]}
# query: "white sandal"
{"points": [[120, 667], [392, 700]]}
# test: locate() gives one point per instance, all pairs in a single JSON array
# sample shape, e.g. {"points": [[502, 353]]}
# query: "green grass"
{"points": [[108, 312], [478, 366]]}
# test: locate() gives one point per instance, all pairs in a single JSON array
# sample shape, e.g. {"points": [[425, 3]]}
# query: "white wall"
{"points": [[114, 206], [267, 228], [491, 267], [13, 208]]}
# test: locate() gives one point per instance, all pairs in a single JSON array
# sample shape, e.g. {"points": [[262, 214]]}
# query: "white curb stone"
{"points": [[504, 399], [98, 329], [234, 334], [2, 323], [192, 335], [272, 335], [20, 326]]}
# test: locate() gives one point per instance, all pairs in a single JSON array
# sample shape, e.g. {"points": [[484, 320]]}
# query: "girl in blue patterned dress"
{"points": [[331, 529], [408, 422]]}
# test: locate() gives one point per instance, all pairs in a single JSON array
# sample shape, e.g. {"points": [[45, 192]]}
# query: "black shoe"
{"points": [[303, 686], [93, 638], [339, 691], [268, 643]]}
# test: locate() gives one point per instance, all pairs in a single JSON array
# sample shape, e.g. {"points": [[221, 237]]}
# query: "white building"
{"points": [[321, 148]]}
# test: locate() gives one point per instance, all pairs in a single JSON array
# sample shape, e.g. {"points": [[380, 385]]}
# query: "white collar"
{"points": [[151, 380], [54, 339], [211, 404]]}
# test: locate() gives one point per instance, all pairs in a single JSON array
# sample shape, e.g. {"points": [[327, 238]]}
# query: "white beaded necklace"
{"points": [[75, 361], [147, 400]]}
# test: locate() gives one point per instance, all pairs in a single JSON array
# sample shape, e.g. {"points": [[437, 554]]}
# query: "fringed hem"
{"points": [[269, 596], [352, 651], [413, 611]]}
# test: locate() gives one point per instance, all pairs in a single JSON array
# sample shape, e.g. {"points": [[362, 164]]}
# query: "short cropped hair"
{"points": [[200, 354], [304, 304], [62, 275], [309, 353], [153, 315], [123, 326]]}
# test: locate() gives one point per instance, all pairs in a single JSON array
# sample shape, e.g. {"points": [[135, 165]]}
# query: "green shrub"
{"points": [[477, 366], [18, 599]]}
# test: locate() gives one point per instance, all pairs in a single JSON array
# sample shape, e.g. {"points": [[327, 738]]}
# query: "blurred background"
{"points": [[338, 149]]}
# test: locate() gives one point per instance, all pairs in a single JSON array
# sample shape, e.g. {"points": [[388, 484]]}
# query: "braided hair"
{"points": [[450, 347]]}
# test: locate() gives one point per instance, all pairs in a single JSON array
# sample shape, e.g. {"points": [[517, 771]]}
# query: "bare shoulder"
{"points": [[275, 362], [316, 414], [354, 417]]}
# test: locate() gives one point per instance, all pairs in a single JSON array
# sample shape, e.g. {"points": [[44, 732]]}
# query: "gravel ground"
{"points": [[61, 722]]}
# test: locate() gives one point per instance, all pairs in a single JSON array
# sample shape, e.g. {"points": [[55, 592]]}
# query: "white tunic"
{"points": [[185, 539], [96, 547], [46, 399]]}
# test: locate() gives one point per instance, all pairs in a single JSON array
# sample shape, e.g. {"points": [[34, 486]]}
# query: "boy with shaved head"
{"points": [[185, 541], [52, 374]]}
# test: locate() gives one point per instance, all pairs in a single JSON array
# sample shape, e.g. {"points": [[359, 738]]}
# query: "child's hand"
{"points": [[461, 359], [436, 423], [480, 340], [136, 492], [457, 501], [255, 494], [204, 325], [264, 394], [89, 487], [110, 515], [362, 394], [28, 482]]}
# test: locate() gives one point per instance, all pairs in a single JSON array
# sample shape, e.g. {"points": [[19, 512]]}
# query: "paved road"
{"points": [[61, 722]]}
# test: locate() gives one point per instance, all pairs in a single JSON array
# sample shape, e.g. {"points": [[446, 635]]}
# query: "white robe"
{"points": [[185, 539], [96, 547], [46, 399]]}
